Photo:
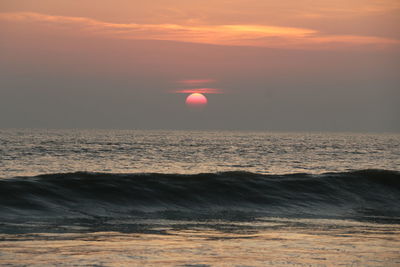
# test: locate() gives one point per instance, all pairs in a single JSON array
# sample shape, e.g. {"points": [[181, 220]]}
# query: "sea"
{"points": [[198, 198]]}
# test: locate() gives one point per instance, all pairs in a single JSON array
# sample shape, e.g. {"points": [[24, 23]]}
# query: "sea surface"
{"points": [[198, 198]]}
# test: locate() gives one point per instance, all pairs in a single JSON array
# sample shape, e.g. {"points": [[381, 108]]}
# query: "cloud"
{"points": [[229, 35], [196, 82], [199, 90]]}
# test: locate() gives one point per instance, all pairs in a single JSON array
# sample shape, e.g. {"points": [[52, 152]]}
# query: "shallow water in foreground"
{"points": [[268, 241]]}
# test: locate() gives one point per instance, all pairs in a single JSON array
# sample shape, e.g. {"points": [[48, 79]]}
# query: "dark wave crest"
{"points": [[348, 194]]}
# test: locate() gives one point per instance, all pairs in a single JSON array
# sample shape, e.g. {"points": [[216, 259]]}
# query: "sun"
{"points": [[196, 100]]}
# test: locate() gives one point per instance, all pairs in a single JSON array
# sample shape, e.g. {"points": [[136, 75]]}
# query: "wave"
{"points": [[346, 194]]}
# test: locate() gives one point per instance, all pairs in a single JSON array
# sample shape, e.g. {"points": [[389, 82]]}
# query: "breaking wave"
{"points": [[347, 194]]}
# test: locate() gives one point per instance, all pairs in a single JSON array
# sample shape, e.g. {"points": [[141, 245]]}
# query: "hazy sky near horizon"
{"points": [[275, 65]]}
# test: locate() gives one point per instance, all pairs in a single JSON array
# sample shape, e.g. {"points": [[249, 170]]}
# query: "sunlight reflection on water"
{"points": [[278, 242], [33, 152]]}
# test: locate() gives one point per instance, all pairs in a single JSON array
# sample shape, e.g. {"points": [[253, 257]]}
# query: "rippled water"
{"points": [[270, 242], [182, 198], [32, 152]]}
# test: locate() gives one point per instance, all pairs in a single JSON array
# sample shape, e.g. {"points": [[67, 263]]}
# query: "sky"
{"points": [[263, 65]]}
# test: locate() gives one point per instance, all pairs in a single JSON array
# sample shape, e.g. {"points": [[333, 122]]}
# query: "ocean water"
{"points": [[204, 198], [34, 152]]}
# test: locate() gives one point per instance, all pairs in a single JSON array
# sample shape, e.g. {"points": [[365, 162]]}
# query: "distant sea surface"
{"points": [[198, 198], [34, 152]]}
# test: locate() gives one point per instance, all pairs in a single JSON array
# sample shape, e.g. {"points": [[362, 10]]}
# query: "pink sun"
{"points": [[196, 100]]}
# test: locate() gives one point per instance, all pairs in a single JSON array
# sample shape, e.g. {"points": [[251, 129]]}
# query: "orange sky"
{"points": [[284, 24], [279, 65]]}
